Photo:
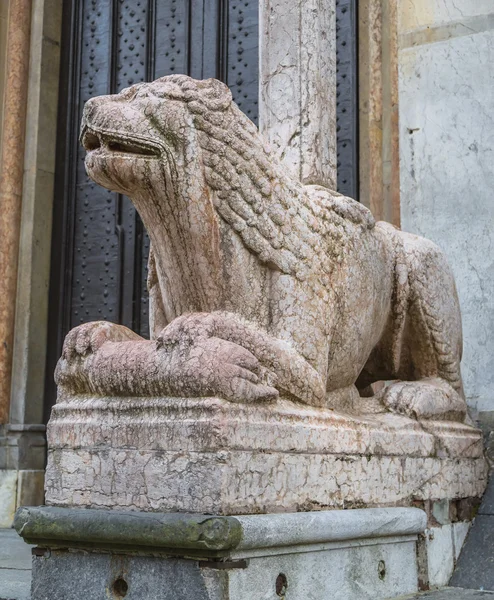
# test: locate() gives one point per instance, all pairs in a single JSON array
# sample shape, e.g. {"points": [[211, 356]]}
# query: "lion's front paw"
{"points": [[190, 327], [216, 367], [89, 337], [431, 398], [295, 377], [81, 343]]}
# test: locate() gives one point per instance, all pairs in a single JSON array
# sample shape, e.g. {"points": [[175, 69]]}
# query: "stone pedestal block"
{"points": [[358, 554], [209, 455]]}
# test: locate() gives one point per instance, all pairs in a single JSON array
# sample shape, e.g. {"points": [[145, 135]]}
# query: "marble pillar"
{"points": [[297, 109], [11, 175]]}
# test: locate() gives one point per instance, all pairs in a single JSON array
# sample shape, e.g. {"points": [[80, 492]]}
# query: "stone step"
{"points": [[15, 584], [15, 563]]}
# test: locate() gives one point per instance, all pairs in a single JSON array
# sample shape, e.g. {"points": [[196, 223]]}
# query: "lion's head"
{"points": [[191, 161], [156, 142], [132, 135]]}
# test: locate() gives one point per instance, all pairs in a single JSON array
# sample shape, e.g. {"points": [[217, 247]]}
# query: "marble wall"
{"points": [[446, 106]]}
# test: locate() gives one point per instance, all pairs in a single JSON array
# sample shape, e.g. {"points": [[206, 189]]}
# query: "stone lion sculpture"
{"points": [[260, 287]]}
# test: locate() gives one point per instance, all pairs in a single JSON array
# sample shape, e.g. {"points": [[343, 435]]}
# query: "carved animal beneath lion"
{"points": [[260, 287]]}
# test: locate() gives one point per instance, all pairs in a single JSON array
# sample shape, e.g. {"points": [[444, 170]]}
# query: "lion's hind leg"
{"points": [[431, 385]]}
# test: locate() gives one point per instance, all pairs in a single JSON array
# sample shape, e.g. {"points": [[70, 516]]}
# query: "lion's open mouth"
{"points": [[95, 140]]}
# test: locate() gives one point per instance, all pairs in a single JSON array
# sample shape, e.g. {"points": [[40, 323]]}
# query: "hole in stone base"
{"points": [[381, 569], [120, 587], [281, 585]]}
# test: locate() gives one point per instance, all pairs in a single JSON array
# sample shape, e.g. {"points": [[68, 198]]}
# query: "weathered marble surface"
{"points": [[275, 307], [208, 455], [261, 287]]}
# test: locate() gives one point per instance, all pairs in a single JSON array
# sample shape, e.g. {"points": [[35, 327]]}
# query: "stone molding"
{"points": [[209, 536], [328, 554], [22, 446], [62, 527]]}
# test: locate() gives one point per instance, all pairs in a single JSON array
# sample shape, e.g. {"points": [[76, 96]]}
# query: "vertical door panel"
{"points": [[242, 68], [347, 97]]}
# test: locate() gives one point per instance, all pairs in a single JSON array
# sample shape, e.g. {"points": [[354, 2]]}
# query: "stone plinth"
{"points": [[367, 553], [212, 456]]}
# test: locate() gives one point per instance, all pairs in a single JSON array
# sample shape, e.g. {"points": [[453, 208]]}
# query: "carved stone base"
{"points": [[365, 554], [209, 455]]}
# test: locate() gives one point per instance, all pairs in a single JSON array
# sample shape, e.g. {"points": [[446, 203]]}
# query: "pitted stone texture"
{"points": [[262, 288], [64, 576], [348, 572], [366, 572], [211, 456]]}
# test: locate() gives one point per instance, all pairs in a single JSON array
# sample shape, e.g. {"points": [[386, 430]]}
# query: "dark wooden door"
{"points": [[99, 264], [99, 257], [347, 102]]}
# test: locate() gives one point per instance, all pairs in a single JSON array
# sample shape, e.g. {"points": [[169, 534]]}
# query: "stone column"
{"points": [[11, 174], [298, 85]]}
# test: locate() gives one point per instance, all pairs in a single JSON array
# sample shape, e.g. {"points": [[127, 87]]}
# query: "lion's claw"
{"points": [[231, 371], [89, 337]]}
